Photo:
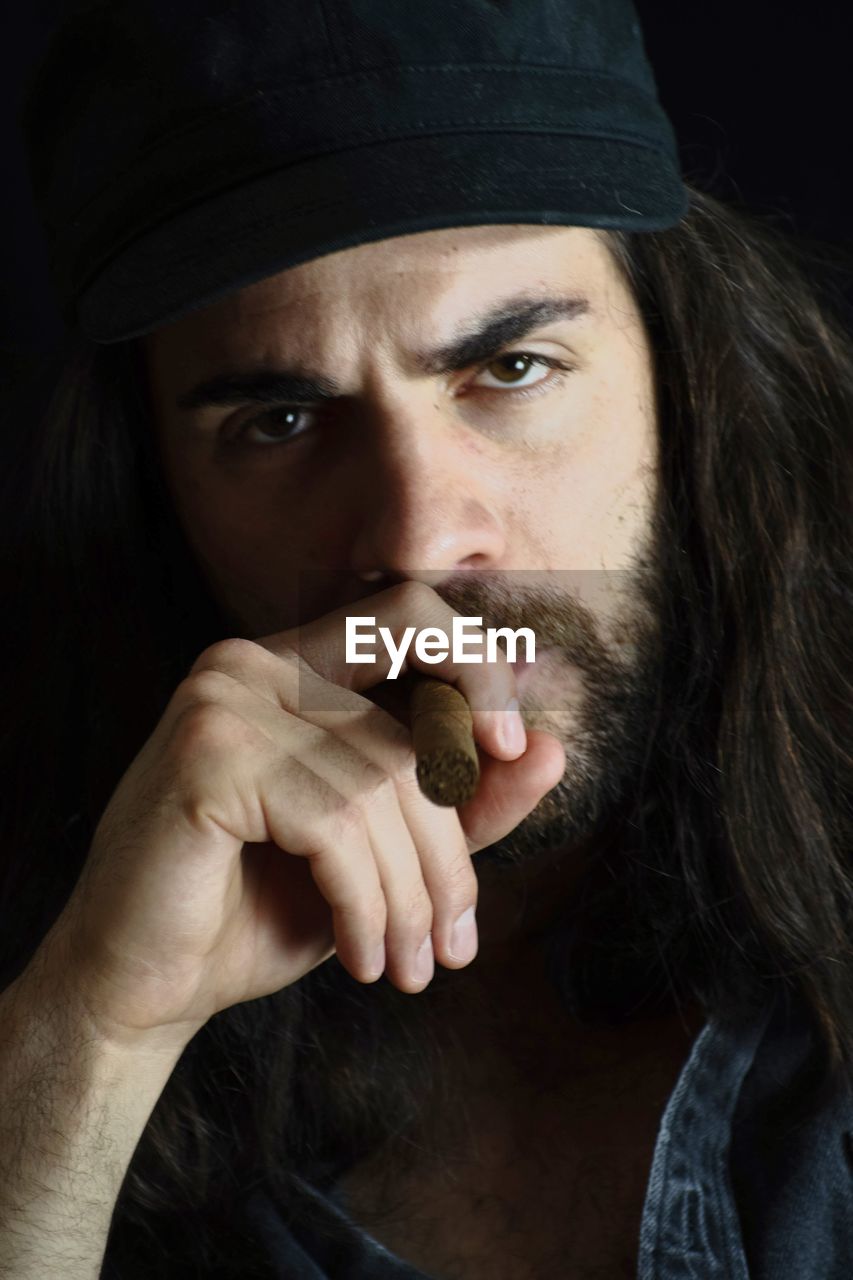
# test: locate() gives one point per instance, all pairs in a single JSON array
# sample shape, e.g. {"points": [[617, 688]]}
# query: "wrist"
{"points": [[53, 991]]}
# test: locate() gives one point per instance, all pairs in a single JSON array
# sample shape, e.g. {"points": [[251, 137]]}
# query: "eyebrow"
{"points": [[507, 321]]}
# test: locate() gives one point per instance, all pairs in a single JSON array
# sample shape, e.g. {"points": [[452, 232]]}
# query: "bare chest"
{"points": [[517, 1203], [536, 1162]]}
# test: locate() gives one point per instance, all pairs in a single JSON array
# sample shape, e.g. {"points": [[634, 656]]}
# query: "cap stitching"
{"points": [[452, 125], [199, 252], [627, 137], [200, 120]]}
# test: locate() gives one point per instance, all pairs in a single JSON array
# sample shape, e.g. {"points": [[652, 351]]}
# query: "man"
{"points": [[419, 400]]}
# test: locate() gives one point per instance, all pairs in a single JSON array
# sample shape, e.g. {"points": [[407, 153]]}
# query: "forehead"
{"points": [[467, 253], [428, 281]]}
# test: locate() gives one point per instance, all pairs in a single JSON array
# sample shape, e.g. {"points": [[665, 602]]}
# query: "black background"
{"points": [[759, 93]]}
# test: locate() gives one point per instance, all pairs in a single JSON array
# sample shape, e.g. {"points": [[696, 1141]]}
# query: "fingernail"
{"points": [[424, 965], [377, 964], [463, 937], [512, 734]]}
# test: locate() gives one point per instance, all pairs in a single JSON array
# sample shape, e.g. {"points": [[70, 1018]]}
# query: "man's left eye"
{"points": [[512, 370]]}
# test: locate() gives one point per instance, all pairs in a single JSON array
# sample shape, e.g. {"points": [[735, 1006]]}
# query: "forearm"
{"points": [[72, 1110]]}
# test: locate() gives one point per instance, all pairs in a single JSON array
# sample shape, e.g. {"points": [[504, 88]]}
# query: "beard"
{"points": [[595, 684], [595, 687]]}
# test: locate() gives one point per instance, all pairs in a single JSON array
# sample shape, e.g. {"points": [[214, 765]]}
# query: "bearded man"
{"points": [[406, 311]]}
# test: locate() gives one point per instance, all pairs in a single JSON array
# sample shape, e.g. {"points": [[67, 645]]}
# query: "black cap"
{"points": [[182, 149]]}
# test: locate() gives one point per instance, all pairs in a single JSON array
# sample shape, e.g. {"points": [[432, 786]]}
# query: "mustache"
{"points": [[558, 620]]}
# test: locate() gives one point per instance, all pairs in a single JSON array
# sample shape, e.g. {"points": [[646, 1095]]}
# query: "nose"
{"points": [[425, 508]]}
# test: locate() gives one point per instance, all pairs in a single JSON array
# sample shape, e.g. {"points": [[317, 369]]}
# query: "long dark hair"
{"points": [[727, 876]]}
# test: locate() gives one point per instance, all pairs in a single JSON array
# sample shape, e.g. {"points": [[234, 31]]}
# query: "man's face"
{"points": [[522, 491]]}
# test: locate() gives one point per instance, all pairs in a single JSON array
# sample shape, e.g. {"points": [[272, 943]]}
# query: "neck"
{"points": [[508, 982], [517, 902]]}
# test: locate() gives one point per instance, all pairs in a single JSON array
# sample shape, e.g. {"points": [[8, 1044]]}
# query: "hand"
{"points": [[274, 818]]}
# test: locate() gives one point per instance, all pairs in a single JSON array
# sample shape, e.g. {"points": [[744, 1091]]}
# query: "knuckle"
{"points": [[234, 652], [461, 881], [375, 916], [206, 726], [418, 910], [405, 772], [208, 685], [370, 914], [396, 739], [345, 820], [376, 787]]}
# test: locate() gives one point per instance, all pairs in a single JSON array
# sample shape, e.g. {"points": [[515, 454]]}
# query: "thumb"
{"points": [[510, 789]]}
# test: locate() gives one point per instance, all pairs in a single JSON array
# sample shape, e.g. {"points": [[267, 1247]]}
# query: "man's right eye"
{"points": [[281, 424]]}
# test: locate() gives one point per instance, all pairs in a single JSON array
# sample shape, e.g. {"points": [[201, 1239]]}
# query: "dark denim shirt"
{"points": [[751, 1177]]}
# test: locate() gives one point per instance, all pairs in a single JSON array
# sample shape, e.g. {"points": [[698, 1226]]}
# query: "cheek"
{"points": [[593, 497], [239, 532], [256, 539]]}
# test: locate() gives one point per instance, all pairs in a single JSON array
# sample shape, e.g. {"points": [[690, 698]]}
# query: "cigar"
{"points": [[442, 731]]}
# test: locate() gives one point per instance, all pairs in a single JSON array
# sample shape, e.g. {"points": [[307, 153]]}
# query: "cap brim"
{"points": [[238, 236]]}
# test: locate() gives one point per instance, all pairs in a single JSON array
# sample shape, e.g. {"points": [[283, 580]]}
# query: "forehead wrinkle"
{"points": [[384, 309], [405, 256]]}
